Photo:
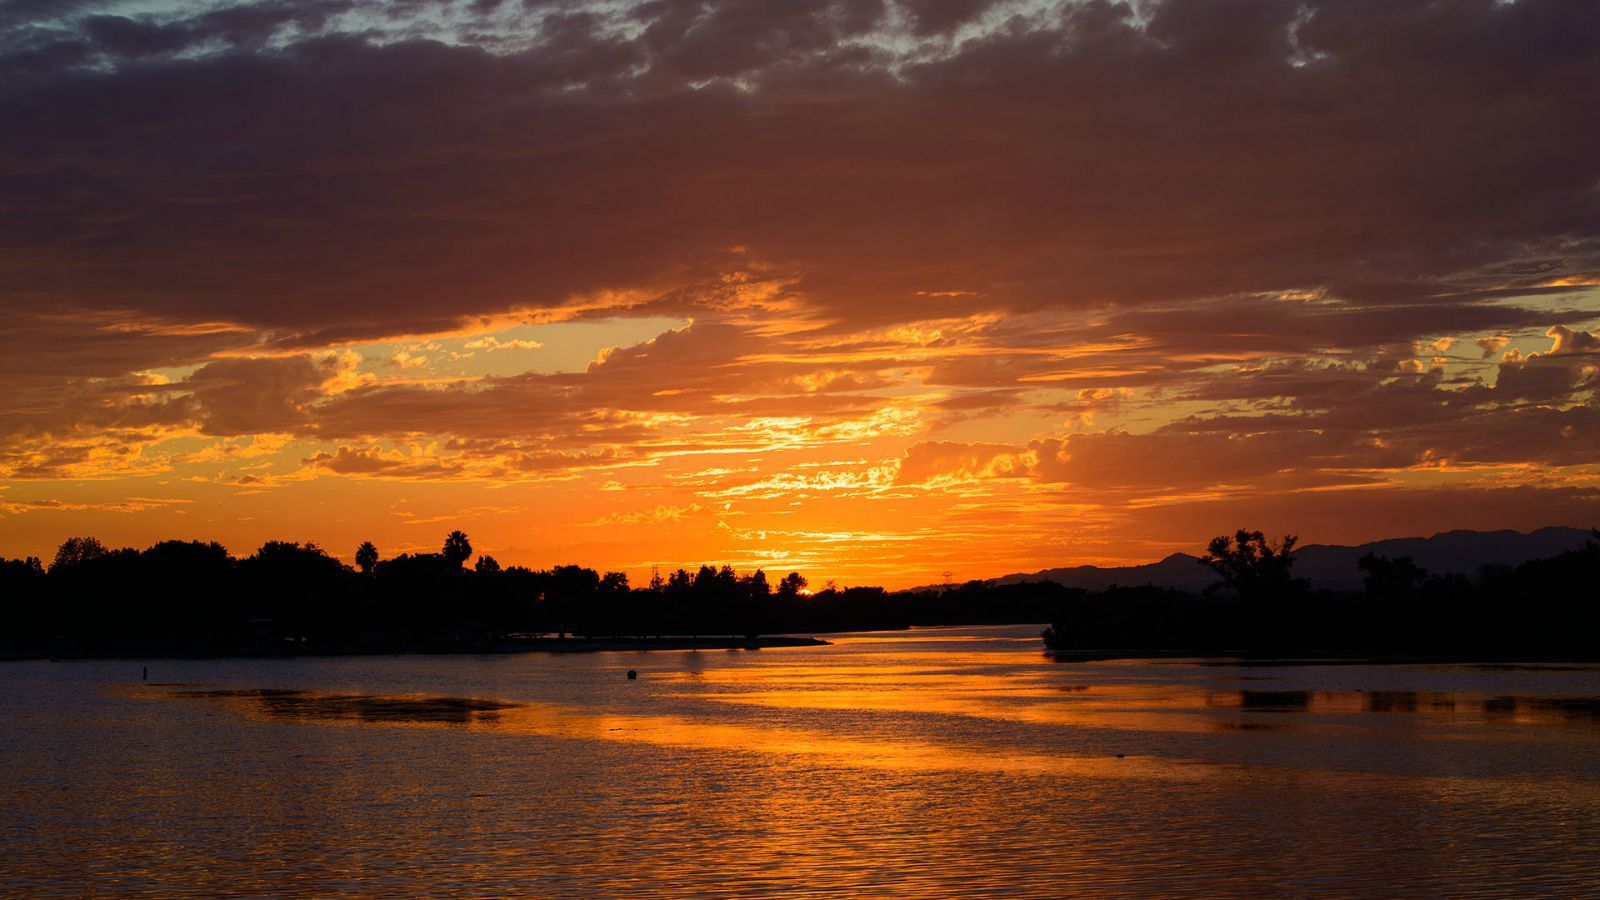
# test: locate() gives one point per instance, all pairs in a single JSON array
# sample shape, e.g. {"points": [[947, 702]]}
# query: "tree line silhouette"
{"points": [[1544, 608], [194, 597]]}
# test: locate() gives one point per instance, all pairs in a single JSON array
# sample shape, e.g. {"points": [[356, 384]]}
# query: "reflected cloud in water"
{"points": [[314, 705]]}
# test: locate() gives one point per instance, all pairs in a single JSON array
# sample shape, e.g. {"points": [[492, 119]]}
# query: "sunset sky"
{"points": [[873, 289]]}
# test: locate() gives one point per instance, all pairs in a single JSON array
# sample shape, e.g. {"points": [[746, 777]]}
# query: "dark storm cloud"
{"points": [[1384, 152]]}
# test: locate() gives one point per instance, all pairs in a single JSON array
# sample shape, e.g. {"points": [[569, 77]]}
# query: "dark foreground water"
{"points": [[937, 761]]}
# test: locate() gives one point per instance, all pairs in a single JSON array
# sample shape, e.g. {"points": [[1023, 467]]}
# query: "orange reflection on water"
{"points": [[900, 754], [956, 684], [821, 769], [556, 720], [972, 685]]}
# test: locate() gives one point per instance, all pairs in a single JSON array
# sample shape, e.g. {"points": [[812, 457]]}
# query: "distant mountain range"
{"points": [[1332, 566]]}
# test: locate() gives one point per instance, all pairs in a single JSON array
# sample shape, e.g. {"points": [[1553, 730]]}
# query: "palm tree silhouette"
{"points": [[457, 549], [366, 557]]}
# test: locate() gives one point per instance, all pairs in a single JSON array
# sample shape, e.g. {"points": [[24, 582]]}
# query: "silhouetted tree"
{"points": [[486, 565], [21, 568], [75, 551], [416, 566], [679, 581], [791, 585], [366, 557], [289, 562], [187, 556], [756, 602], [1252, 567], [569, 589], [194, 579], [457, 549], [293, 586], [756, 584], [1390, 578]]}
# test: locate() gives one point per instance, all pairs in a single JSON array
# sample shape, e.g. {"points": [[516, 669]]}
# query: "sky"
{"points": [[886, 291]]}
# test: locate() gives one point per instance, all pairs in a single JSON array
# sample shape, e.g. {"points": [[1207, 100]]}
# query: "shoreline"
{"points": [[530, 645], [1246, 660]]}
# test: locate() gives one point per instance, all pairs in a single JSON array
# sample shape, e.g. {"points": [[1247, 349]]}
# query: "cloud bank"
{"points": [[965, 263]]}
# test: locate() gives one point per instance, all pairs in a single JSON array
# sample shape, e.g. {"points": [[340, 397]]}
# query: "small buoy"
{"points": [[632, 675], [146, 675]]}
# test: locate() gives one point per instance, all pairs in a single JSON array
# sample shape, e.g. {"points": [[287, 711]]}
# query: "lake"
{"points": [[931, 761]]}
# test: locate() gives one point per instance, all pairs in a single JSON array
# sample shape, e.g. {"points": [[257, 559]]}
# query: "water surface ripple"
{"points": [[929, 762]]}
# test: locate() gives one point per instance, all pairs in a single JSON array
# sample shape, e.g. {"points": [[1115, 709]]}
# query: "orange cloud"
{"points": [[911, 344]]}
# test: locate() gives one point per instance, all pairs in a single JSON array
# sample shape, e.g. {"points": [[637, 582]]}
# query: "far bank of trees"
{"points": [[1544, 608], [178, 596], [195, 597]]}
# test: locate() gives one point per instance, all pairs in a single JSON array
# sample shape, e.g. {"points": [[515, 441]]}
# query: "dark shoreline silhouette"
{"points": [[488, 648], [193, 599], [1334, 567], [1543, 609]]}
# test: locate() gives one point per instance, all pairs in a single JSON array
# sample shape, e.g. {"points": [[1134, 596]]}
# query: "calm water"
{"points": [[934, 761]]}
